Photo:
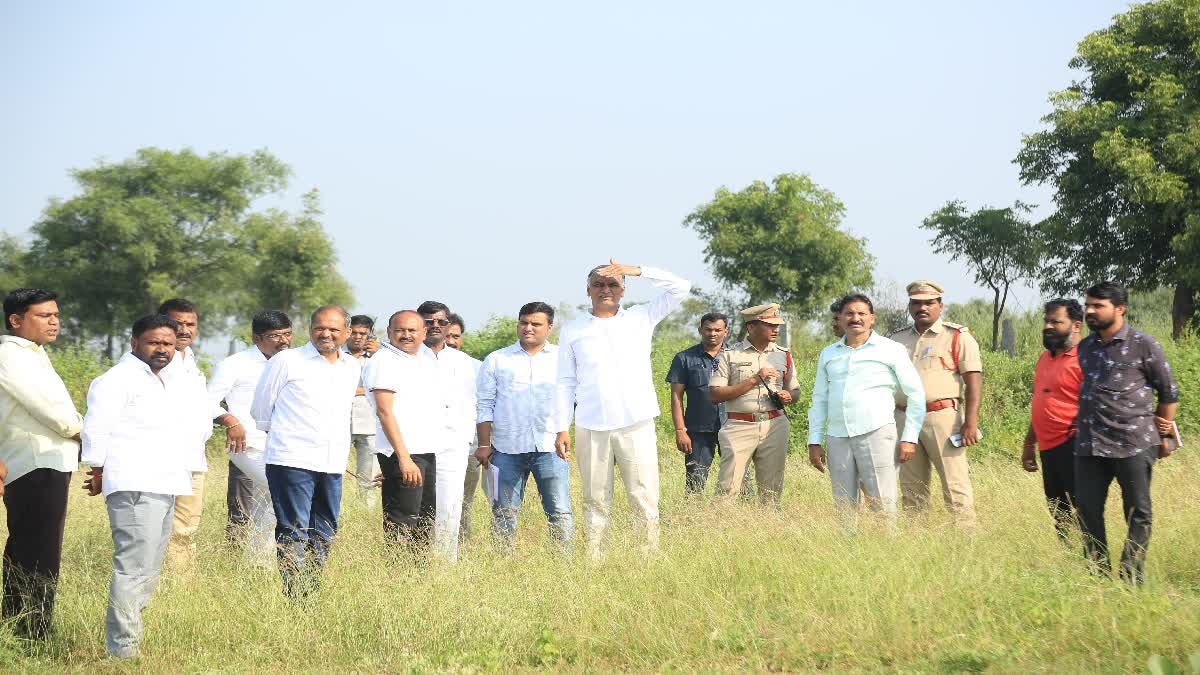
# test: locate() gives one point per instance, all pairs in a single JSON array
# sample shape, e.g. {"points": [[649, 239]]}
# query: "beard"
{"points": [[1098, 324], [1055, 342]]}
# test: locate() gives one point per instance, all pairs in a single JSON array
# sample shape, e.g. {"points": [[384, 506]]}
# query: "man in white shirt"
{"points": [[515, 403], [407, 393], [604, 369], [454, 337], [303, 402], [234, 381], [145, 423], [361, 345], [458, 372], [181, 552], [39, 442]]}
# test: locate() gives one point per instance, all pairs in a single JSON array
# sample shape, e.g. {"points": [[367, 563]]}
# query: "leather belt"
{"points": [[941, 404], [754, 417]]}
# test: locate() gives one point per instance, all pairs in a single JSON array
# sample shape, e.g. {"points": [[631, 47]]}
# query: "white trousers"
{"points": [[260, 540], [869, 460], [634, 449], [448, 486]]}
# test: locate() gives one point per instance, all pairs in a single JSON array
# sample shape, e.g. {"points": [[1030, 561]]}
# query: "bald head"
{"points": [[406, 331]]}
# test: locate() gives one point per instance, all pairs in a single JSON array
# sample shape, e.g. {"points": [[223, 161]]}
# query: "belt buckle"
{"points": [[762, 416]]}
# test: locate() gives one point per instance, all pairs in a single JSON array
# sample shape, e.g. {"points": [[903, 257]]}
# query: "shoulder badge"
{"points": [[897, 332], [956, 326]]}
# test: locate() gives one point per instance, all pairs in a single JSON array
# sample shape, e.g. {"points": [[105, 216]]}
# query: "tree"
{"points": [[1122, 151], [12, 258], [295, 266], [1000, 247], [782, 243], [160, 224]]}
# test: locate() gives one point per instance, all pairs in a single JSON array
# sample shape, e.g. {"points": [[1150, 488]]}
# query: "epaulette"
{"points": [[897, 332], [956, 326]]}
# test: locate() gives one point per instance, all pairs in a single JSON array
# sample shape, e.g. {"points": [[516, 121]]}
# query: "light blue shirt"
{"points": [[855, 391]]}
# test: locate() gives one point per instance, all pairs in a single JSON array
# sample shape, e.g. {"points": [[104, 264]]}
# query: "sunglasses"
{"points": [[439, 322]]}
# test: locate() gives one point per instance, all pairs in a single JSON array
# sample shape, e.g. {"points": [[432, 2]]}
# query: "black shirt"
{"points": [[1116, 398], [692, 368]]}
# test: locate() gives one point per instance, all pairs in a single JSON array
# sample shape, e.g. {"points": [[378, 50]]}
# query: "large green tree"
{"points": [[295, 263], [166, 223], [782, 243], [12, 259], [1000, 246], [1122, 150]]}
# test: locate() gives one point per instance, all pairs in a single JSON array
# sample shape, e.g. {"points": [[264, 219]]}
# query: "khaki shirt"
{"points": [[931, 355], [742, 362]]}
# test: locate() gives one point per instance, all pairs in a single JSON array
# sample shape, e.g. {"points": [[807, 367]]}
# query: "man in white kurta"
{"points": [[233, 382], [146, 418], [605, 383]]}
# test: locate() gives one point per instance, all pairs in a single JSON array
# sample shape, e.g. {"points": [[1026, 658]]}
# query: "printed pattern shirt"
{"points": [[1117, 397]]}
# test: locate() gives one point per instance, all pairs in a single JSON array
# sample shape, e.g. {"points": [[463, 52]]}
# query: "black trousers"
{"points": [[1058, 482], [238, 494], [697, 464], [36, 506], [1093, 475], [408, 512]]}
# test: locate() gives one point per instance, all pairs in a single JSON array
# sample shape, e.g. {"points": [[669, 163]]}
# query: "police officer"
{"points": [[756, 428], [947, 357]]}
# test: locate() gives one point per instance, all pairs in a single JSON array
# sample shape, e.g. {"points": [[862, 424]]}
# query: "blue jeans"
{"points": [[306, 507], [551, 475]]}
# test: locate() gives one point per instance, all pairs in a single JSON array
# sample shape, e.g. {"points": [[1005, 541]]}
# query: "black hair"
{"points": [[180, 305], [151, 322], [432, 307], [1074, 309], [362, 320], [270, 320], [19, 301], [457, 320], [836, 307], [714, 316], [854, 297], [537, 307], [1111, 291]]}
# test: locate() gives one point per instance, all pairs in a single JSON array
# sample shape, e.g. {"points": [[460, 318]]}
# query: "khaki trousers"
{"points": [[181, 550], [634, 449], [934, 450], [764, 443]]}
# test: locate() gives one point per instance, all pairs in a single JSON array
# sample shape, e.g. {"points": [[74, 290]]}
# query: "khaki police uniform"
{"points": [[942, 375], [762, 433]]}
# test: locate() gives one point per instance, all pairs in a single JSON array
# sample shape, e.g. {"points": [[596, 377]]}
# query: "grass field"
{"points": [[735, 588]]}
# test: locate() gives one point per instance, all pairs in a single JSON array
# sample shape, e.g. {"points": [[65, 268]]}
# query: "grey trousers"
{"points": [[364, 463], [470, 486], [869, 460], [141, 527]]}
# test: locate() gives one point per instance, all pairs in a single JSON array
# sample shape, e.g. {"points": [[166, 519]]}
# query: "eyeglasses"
{"points": [[277, 336], [439, 322]]}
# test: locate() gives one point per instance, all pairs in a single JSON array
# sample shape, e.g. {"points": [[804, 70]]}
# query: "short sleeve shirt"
{"points": [[932, 353], [1117, 397], [693, 368], [742, 362], [1055, 404]]}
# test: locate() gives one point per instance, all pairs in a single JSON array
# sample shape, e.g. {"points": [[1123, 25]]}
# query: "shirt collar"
{"points": [[22, 342], [872, 339], [1073, 351], [516, 348], [310, 352]]}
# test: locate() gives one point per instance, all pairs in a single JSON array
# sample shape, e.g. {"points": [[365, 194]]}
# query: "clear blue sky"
{"points": [[487, 154]]}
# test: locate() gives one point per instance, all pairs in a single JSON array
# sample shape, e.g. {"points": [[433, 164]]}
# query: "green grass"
{"points": [[735, 588]]}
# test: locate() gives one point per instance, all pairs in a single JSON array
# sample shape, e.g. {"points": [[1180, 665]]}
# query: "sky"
{"points": [[488, 154]]}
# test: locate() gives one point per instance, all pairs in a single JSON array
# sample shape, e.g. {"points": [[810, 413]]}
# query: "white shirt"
{"points": [[515, 392], [185, 360], [420, 402], [234, 381], [362, 415], [145, 429], [604, 364], [37, 416], [460, 370], [303, 403]]}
